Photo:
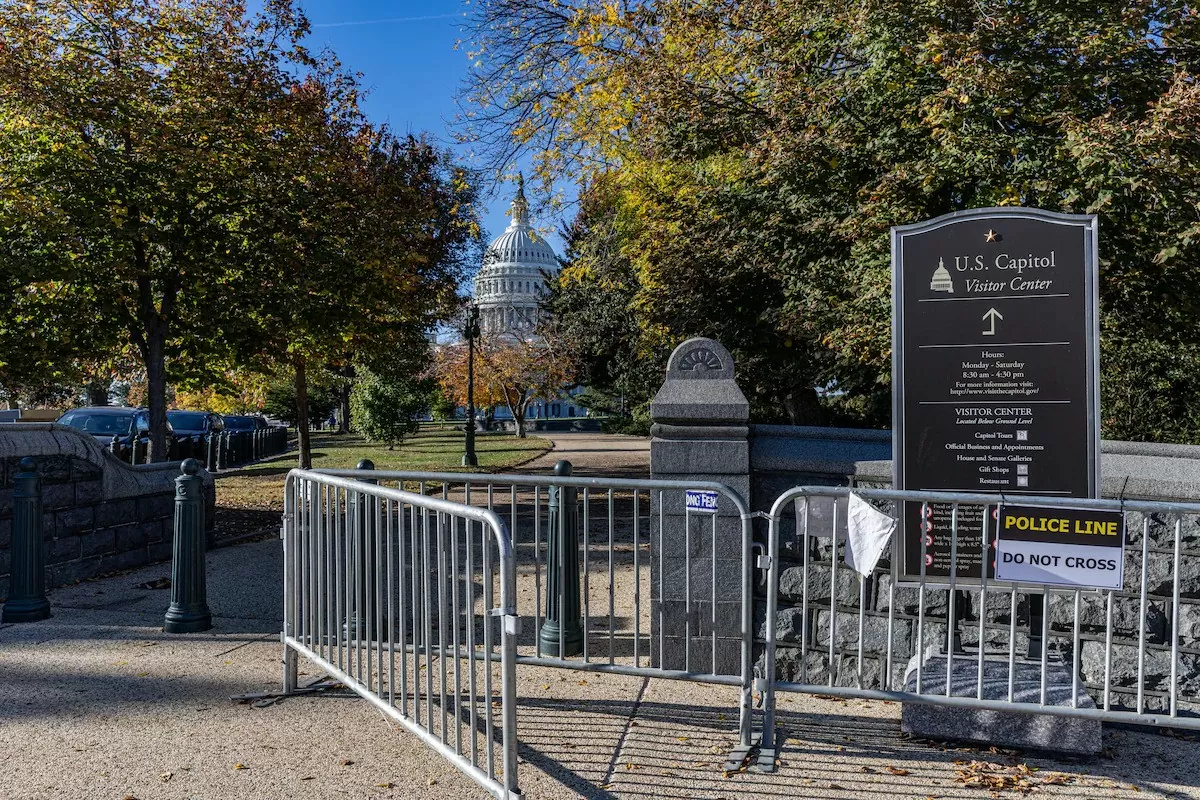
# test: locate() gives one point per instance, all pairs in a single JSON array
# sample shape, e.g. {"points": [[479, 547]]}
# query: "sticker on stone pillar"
{"points": [[702, 501]]}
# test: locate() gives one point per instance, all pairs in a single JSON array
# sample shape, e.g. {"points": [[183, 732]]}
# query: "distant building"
{"points": [[510, 283], [508, 289]]}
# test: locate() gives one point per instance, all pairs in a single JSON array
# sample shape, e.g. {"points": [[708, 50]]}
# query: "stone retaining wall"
{"points": [[782, 457], [99, 513]]}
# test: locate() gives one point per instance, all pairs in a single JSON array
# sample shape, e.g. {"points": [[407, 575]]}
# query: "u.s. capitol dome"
{"points": [[510, 284]]}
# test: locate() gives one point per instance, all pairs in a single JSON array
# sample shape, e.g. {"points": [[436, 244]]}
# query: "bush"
{"points": [[386, 410]]}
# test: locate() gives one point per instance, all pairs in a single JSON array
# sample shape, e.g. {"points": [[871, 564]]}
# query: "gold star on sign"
{"points": [[991, 236]]}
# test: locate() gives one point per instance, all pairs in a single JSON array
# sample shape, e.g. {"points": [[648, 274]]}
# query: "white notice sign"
{"points": [[1076, 547]]}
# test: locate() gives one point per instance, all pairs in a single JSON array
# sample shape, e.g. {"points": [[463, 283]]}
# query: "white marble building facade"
{"points": [[510, 282]]}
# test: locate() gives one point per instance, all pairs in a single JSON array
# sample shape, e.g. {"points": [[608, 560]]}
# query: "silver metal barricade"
{"points": [[622, 555], [410, 601], [1123, 654]]}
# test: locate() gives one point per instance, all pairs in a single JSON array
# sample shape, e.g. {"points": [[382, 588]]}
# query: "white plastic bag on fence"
{"points": [[868, 532]]}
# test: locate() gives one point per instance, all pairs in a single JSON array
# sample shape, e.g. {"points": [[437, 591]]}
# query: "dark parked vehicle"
{"points": [[195, 423], [128, 426], [245, 423], [192, 429]]}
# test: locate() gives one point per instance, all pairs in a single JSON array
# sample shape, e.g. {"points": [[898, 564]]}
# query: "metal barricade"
{"points": [[620, 526], [1123, 654], [410, 601]]}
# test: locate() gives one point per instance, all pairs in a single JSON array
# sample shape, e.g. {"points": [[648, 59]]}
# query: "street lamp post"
{"points": [[469, 458]]}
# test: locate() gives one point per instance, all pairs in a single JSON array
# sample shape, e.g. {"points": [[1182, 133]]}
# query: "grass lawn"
{"points": [[260, 486]]}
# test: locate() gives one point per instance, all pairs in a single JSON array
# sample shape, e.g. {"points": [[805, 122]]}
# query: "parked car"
{"points": [[192, 428], [245, 423], [106, 423]]}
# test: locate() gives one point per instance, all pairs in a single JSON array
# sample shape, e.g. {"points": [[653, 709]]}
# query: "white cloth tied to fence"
{"points": [[868, 532]]}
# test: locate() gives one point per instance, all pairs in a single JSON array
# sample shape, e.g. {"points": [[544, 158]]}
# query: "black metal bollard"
{"points": [[27, 580], [133, 443], [188, 611], [114, 447], [562, 632], [210, 456], [363, 555]]}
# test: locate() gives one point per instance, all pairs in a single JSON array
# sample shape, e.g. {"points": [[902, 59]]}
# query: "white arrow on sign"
{"points": [[991, 316]]}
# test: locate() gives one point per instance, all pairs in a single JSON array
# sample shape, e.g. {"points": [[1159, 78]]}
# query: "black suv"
{"points": [[245, 423], [192, 429], [128, 426]]}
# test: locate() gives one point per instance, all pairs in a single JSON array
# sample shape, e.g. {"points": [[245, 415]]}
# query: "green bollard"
{"points": [[363, 555], [188, 612], [561, 635], [27, 580]]}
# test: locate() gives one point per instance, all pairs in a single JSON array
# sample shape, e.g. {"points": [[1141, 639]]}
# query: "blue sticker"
{"points": [[702, 501]]}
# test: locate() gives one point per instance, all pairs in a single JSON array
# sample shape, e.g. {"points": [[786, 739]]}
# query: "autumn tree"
{"points": [[141, 124], [510, 370], [758, 153]]}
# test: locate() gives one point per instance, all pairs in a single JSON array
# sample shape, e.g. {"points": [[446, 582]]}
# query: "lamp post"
{"points": [[469, 458]]}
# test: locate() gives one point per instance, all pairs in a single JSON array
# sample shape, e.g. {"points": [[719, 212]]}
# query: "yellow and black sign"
{"points": [[1077, 547]]}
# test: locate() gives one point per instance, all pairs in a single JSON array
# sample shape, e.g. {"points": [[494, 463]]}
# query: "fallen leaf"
{"points": [[240, 765], [388, 785], [142, 674], [433, 781], [897, 771], [347, 762], [166, 776], [308, 778]]}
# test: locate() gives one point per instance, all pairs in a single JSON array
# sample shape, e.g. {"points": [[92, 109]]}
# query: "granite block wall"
{"points": [[782, 457], [99, 514]]}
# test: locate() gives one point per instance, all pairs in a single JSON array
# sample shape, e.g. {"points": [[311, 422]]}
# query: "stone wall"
{"points": [[99, 513], [781, 457]]}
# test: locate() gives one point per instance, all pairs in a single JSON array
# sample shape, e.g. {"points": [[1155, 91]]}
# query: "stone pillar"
{"points": [[700, 433]]}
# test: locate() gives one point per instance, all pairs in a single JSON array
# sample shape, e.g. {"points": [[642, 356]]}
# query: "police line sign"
{"points": [[1074, 547]]}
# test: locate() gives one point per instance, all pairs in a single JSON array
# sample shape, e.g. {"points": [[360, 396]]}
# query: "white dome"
{"points": [[520, 244], [510, 283]]}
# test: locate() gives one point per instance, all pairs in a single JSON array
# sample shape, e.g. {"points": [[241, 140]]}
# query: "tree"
{"points": [[385, 408], [142, 123], [759, 152], [365, 245], [509, 370]]}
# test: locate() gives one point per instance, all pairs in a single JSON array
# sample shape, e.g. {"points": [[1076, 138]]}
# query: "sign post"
{"points": [[994, 368]]}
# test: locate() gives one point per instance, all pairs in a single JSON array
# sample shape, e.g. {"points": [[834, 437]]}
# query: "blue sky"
{"points": [[405, 50]]}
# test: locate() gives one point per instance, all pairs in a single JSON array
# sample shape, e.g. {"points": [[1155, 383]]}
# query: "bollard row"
{"points": [[27, 602]]}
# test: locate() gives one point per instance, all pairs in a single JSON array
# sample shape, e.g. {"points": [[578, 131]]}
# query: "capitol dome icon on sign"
{"points": [[941, 279]]}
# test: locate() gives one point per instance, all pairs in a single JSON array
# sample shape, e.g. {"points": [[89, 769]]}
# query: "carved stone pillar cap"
{"points": [[700, 386]]}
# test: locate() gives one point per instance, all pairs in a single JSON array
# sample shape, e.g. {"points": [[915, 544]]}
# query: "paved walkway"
{"points": [[595, 454], [98, 702]]}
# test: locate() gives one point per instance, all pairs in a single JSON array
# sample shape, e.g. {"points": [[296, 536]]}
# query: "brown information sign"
{"points": [[995, 380]]}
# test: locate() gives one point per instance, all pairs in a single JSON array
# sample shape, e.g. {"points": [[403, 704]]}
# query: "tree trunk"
{"points": [[303, 443], [344, 409], [156, 390]]}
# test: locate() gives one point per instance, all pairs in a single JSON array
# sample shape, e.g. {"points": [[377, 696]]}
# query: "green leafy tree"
{"points": [[141, 125], [760, 152]]}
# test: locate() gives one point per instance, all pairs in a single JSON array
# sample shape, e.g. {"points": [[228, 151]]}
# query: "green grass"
{"points": [[260, 485]]}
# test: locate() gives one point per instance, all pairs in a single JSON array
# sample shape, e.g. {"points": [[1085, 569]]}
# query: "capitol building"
{"points": [[510, 283], [508, 289]]}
